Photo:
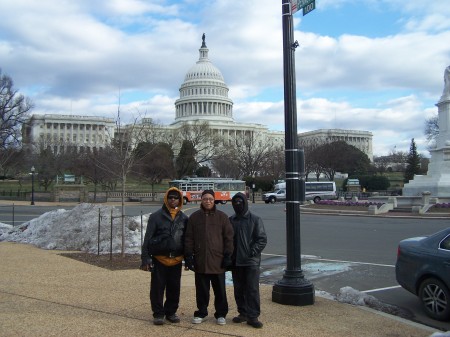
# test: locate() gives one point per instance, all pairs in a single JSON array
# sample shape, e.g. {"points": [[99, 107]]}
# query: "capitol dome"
{"points": [[203, 94], [203, 69]]}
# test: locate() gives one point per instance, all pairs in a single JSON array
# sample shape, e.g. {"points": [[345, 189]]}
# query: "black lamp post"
{"points": [[32, 185], [253, 192], [293, 288]]}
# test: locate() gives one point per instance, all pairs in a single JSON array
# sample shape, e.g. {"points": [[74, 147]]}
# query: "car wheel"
{"points": [[316, 200], [435, 298], [272, 200], [185, 201], [223, 202], [266, 201]]}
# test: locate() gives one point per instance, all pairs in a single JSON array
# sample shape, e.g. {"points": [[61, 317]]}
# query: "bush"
{"points": [[348, 203]]}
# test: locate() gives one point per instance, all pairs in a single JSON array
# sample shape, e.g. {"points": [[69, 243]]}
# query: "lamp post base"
{"points": [[297, 292]]}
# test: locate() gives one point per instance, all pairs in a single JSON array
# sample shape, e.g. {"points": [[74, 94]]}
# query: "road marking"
{"points": [[380, 289], [312, 257]]}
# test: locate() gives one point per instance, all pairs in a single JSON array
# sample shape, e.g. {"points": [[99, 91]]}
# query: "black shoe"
{"points": [[239, 319], [255, 323], [158, 320], [173, 318]]}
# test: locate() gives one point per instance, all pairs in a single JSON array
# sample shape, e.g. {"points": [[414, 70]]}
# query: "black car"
{"points": [[423, 268]]}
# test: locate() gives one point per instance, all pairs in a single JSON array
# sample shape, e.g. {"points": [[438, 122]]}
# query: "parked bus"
{"points": [[315, 190], [224, 188]]}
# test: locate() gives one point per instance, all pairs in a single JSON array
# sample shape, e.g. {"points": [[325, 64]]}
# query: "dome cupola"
{"points": [[203, 94]]}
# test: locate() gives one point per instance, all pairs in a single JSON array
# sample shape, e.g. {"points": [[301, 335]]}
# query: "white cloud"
{"points": [[77, 56]]}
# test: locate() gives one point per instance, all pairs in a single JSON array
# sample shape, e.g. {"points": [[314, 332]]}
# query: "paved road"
{"points": [[339, 251]]}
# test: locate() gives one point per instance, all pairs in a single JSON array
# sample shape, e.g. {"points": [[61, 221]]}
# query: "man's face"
{"points": [[238, 205], [173, 200], [208, 201]]}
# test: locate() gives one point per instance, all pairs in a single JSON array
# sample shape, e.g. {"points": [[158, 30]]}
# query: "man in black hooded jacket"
{"points": [[249, 240], [162, 254]]}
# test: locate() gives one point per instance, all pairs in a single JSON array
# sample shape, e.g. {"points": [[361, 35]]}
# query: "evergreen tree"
{"points": [[186, 164], [413, 162]]}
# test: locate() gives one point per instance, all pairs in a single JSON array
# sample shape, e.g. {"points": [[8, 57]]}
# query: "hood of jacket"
{"points": [[245, 202], [180, 200]]}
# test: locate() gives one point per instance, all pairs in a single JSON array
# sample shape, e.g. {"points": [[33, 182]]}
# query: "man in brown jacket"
{"points": [[208, 249]]}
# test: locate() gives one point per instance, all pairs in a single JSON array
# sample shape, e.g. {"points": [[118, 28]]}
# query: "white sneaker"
{"points": [[221, 321], [197, 320]]}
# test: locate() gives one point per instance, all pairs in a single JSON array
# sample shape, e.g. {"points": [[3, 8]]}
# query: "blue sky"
{"points": [[372, 65]]}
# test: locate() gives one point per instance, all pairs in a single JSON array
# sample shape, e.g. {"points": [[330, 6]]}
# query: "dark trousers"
{"points": [[165, 279], [246, 290], [202, 289]]}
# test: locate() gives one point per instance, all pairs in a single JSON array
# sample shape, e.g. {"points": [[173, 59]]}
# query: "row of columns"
{"points": [[204, 108]]}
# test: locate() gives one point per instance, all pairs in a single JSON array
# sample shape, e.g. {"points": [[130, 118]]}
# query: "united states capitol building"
{"points": [[203, 98]]}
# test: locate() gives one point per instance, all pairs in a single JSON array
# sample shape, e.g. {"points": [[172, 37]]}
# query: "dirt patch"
{"points": [[114, 262]]}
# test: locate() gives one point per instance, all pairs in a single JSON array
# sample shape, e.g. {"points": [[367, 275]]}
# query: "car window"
{"points": [[445, 244]]}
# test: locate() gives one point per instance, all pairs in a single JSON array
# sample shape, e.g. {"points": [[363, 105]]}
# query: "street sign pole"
{"points": [[293, 288]]}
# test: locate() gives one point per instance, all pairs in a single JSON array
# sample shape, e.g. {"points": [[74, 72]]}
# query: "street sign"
{"points": [[309, 7], [298, 4]]}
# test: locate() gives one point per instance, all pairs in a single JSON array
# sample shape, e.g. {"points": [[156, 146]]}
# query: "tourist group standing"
{"points": [[210, 243]]}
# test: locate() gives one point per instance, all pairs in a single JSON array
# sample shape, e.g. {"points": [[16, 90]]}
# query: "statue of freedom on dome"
{"points": [[203, 41]]}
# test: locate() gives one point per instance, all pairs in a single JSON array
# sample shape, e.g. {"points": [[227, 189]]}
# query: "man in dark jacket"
{"points": [[249, 240], [208, 248], [162, 254]]}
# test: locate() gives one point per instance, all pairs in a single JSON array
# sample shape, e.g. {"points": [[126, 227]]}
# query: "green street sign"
{"points": [[298, 4], [309, 7]]}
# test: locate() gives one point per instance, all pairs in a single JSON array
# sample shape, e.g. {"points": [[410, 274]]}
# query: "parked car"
{"points": [[423, 268], [273, 197]]}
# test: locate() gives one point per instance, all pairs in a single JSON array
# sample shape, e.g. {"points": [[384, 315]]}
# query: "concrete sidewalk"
{"points": [[45, 294]]}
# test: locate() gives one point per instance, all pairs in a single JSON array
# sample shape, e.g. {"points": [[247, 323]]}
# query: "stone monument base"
{"points": [[437, 186]]}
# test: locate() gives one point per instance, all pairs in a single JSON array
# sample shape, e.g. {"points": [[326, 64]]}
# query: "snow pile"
{"points": [[78, 229], [4, 227], [355, 297], [441, 334]]}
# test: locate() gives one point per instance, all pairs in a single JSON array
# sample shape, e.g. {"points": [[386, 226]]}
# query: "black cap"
{"points": [[173, 193], [208, 192]]}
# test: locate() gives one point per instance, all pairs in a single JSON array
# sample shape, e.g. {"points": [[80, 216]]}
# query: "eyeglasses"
{"points": [[208, 199], [173, 197]]}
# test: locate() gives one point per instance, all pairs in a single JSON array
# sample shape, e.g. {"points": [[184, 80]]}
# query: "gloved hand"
{"points": [[189, 262], [227, 263], [148, 266]]}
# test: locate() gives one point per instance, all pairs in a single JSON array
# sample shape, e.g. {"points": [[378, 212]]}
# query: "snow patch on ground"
{"points": [[78, 229], [355, 297]]}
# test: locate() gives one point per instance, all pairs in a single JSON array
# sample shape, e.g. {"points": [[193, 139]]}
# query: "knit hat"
{"points": [[208, 192]]}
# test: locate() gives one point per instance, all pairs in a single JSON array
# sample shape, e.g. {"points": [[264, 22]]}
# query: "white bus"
{"points": [[316, 190]]}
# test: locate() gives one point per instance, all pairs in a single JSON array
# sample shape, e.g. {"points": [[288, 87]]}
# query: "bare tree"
{"points": [[226, 163], [247, 157], [204, 140], [311, 165], [11, 161], [123, 158], [432, 128], [14, 109], [273, 164], [154, 171]]}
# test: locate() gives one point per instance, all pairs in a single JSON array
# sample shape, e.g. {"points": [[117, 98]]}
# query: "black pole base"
{"points": [[297, 292]]}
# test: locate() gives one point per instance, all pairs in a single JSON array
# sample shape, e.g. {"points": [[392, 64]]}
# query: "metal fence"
{"points": [[9, 215]]}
